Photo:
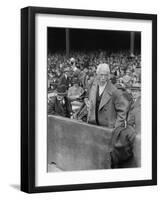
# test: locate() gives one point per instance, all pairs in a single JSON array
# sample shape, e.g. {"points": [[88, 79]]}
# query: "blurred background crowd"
{"points": [[72, 76]]}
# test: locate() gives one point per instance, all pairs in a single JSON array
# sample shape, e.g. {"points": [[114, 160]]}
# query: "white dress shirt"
{"points": [[101, 88]]}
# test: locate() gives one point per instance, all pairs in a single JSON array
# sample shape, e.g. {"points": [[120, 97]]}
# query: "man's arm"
{"points": [[121, 106]]}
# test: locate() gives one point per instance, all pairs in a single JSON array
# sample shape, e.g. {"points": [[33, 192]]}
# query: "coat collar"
{"points": [[93, 93], [106, 96]]}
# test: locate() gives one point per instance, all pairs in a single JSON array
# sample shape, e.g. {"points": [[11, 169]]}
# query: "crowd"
{"points": [[73, 76]]}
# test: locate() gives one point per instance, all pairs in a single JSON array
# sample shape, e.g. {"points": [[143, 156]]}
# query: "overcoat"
{"points": [[113, 107]]}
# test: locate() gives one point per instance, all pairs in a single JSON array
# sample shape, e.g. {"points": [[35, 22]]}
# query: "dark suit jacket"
{"points": [[64, 81], [56, 108], [113, 107]]}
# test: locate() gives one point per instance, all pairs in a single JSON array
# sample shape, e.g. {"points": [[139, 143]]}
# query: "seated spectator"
{"points": [[59, 104], [75, 91]]}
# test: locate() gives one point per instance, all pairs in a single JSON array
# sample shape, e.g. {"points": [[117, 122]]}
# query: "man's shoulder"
{"points": [[113, 87], [110, 87], [114, 90]]}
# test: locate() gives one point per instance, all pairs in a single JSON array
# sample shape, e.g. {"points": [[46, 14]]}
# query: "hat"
{"points": [[61, 90], [103, 67]]}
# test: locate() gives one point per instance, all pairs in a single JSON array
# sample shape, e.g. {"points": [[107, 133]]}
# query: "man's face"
{"points": [[103, 77]]}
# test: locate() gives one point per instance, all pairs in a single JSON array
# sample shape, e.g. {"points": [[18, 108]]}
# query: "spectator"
{"points": [[64, 79], [75, 91], [127, 78], [75, 70], [82, 65], [60, 105]]}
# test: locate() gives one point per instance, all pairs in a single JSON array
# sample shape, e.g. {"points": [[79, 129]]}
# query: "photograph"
{"points": [[94, 99], [88, 93]]}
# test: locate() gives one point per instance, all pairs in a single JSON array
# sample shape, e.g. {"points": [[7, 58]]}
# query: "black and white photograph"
{"points": [[89, 83], [93, 99]]}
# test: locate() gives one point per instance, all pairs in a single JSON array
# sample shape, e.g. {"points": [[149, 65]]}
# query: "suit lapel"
{"points": [[93, 94], [106, 96], [92, 97]]}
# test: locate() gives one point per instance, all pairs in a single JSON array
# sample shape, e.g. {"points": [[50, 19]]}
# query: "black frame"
{"points": [[28, 98]]}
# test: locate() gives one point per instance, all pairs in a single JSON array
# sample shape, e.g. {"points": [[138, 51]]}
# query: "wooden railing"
{"points": [[74, 145]]}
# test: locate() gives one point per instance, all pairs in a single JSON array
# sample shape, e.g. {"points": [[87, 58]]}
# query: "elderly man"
{"points": [[107, 106]]}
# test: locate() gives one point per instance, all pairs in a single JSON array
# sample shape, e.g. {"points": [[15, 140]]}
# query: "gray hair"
{"points": [[103, 67]]}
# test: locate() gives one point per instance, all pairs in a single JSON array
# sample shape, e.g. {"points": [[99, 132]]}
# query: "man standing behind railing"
{"points": [[107, 106]]}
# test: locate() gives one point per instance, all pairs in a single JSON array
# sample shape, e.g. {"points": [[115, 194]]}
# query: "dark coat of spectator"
{"points": [[60, 105]]}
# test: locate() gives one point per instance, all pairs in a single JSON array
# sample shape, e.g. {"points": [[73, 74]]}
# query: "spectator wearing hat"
{"points": [[65, 79], [107, 105], [76, 71], [75, 91], [60, 105], [84, 77], [127, 79]]}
